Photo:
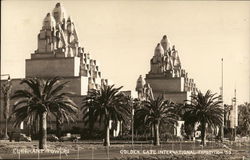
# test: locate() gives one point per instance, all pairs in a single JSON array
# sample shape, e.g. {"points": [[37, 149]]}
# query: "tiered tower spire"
{"points": [[166, 59], [59, 52], [58, 35], [166, 76]]}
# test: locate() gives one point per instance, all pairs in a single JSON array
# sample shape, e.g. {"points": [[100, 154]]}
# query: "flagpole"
{"points": [[222, 126], [236, 115]]}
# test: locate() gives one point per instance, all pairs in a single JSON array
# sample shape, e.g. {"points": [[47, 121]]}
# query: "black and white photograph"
{"points": [[125, 80]]}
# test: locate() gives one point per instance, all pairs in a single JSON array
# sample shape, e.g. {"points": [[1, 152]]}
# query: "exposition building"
{"points": [[59, 53]]}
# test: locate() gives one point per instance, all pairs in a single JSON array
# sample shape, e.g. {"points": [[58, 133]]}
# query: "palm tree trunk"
{"points": [[121, 130], [91, 126], [43, 131], [6, 129], [156, 135], [58, 128], [152, 130], [203, 134], [6, 113], [136, 135], [107, 139], [29, 130]]}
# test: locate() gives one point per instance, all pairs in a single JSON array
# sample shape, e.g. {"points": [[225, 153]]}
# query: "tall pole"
{"points": [[236, 114], [222, 125], [132, 125]]}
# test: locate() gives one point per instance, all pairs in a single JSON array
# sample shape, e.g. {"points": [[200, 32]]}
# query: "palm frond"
{"points": [[43, 96]]}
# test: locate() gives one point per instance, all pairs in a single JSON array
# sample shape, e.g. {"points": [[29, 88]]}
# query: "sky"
{"points": [[122, 35]]}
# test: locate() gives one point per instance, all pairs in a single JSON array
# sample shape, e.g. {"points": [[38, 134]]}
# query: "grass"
{"points": [[5, 147], [85, 148]]}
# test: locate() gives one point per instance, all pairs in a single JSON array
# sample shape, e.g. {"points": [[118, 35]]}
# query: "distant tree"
{"points": [[183, 133], [157, 112], [38, 100], [6, 89], [204, 109], [244, 119], [138, 123], [63, 116], [227, 109], [105, 105]]}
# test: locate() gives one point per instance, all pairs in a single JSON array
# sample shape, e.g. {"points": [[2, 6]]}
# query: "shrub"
{"points": [[170, 137], [51, 131], [95, 134], [128, 137], [75, 130]]}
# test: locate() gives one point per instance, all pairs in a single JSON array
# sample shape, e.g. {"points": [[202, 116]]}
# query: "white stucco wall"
{"points": [[50, 67]]}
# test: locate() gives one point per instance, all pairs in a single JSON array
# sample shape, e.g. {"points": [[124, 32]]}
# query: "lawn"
{"points": [[118, 150]]}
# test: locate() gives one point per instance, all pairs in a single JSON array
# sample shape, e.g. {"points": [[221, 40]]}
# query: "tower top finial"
{"points": [[140, 83], [69, 19], [48, 21], [58, 4], [165, 43], [173, 47], [59, 13], [159, 50]]}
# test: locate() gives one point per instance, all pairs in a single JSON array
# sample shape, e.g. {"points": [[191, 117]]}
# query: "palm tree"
{"points": [[105, 105], [140, 126], [6, 89], [38, 100], [205, 110], [157, 112], [189, 121]]}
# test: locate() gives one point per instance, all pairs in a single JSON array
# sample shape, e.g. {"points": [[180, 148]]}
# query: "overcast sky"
{"points": [[121, 36]]}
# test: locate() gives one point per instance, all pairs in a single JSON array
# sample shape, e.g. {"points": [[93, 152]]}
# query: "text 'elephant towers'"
{"points": [[166, 76]]}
